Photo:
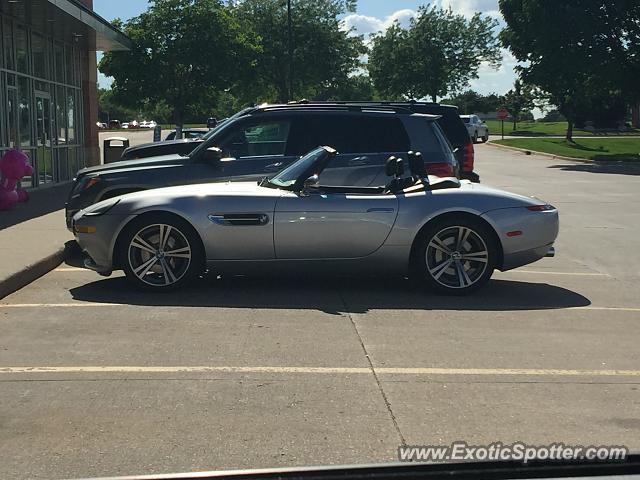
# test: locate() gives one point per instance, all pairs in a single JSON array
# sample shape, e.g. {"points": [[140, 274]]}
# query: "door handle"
{"points": [[358, 161], [274, 167]]}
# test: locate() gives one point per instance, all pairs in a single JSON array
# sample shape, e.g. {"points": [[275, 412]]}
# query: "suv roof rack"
{"points": [[382, 103], [341, 106]]}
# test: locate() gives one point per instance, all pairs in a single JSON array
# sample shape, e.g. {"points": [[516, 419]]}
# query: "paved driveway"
{"points": [[96, 379]]}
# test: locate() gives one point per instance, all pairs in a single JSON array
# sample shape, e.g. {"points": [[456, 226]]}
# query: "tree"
{"points": [[518, 100], [439, 53], [572, 48], [470, 102], [184, 53], [324, 54]]}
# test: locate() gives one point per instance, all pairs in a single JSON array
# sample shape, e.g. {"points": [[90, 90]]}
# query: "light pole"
{"points": [[290, 45]]}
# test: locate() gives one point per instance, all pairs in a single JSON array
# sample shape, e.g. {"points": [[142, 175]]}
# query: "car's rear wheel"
{"points": [[456, 256], [161, 252], [485, 138]]}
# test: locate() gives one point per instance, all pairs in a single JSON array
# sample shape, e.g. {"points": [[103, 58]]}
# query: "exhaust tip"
{"points": [[551, 252]]}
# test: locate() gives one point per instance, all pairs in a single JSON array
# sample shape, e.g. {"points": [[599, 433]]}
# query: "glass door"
{"points": [[44, 144]]}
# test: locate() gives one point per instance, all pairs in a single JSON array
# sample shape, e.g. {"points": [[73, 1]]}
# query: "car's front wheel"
{"points": [[161, 252], [485, 138], [455, 256]]}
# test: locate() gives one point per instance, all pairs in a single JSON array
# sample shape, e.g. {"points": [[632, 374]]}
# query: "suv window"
{"points": [[348, 134], [257, 139]]}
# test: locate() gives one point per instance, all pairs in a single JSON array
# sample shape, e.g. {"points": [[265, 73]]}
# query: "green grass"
{"points": [[587, 148], [548, 129]]}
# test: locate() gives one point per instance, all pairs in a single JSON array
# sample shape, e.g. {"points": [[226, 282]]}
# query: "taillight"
{"points": [[468, 156], [440, 169], [541, 208]]}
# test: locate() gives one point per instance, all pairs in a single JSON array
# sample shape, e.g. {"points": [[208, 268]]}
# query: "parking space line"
{"points": [[97, 304], [323, 370], [71, 269], [542, 272], [60, 305]]}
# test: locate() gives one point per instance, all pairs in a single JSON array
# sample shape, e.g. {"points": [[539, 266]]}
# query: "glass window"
{"points": [[69, 65], [63, 165], [72, 160], [61, 117], [263, 139], [7, 33], [39, 50], [22, 52], [24, 115], [12, 117], [349, 134], [59, 58], [71, 116]]}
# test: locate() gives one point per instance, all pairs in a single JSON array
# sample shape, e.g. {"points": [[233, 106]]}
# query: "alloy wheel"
{"points": [[159, 255], [457, 257]]}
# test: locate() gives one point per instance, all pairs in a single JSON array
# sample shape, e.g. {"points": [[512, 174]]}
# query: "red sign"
{"points": [[503, 114]]}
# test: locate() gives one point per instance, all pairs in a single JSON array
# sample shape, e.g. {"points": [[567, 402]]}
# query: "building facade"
{"points": [[48, 84]]}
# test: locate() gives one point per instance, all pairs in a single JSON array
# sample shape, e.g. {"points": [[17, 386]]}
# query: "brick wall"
{"points": [[90, 104]]}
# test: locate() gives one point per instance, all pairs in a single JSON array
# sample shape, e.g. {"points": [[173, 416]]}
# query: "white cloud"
{"points": [[365, 25], [469, 7]]}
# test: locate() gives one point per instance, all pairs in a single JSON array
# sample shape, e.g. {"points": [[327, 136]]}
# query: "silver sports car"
{"points": [[451, 234]]}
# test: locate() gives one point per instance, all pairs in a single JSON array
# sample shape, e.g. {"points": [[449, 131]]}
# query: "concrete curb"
{"points": [[34, 271], [533, 152]]}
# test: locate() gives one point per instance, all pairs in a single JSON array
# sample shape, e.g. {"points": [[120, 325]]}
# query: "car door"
{"points": [[332, 225], [255, 148]]}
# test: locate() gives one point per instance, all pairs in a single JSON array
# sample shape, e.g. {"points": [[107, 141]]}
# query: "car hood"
{"points": [[164, 160], [166, 143]]}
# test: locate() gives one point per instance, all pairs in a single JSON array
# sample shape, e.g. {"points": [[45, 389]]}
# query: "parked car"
{"points": [[476, 127], [447, 233], [450, 122], [262, 140], [125, 125], [148, 124], [101, 125], [114, 124], [188, 133]]}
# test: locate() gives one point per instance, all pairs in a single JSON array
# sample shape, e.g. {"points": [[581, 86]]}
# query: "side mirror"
{"points": [[309, 184], [212, 155]]}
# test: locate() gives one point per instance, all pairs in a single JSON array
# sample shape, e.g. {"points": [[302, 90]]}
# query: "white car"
{"points": [[148, 124], [124, 125], [476, 127]]}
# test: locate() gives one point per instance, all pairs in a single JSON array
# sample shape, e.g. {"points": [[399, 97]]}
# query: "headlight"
{"points": [[85, 183], [100, 208]]}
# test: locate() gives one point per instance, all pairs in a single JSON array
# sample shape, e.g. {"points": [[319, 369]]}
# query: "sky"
{"points": [[371, 16]]}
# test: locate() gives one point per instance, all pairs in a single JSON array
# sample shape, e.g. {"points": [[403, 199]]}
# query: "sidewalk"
{"points": [[32, 238]]}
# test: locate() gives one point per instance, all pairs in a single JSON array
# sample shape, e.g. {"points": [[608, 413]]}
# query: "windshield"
{"points": [[288, 177], [466, 119]]}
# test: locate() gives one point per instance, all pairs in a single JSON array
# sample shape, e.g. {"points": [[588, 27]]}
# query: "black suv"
{"points": [[260, 141], [452, 125]]}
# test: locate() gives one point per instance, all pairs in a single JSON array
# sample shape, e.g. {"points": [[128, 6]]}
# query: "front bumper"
{"points": [[99, 245]]}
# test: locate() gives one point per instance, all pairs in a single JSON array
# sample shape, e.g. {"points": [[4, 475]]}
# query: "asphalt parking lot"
{"points": [[96, 379]]}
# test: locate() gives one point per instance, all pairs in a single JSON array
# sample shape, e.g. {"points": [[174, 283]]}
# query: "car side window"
{"points": [[349, 134], [257, 140]]}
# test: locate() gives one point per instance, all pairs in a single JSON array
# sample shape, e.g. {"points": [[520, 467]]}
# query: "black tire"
{"points": [[169, 271], [485, 139], [437, 261], [475, 137]]}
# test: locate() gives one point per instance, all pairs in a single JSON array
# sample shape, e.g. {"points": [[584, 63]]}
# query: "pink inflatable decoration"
{"points": [[13, 166]]}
